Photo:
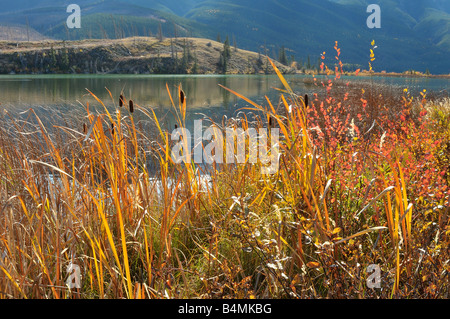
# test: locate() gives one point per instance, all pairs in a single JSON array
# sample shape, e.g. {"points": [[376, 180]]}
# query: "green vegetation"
{"points": [[363, 179], [225, 56], [282, 58]]}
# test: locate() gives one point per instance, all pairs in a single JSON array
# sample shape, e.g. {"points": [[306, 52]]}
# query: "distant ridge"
{"points": [[415, 34]]}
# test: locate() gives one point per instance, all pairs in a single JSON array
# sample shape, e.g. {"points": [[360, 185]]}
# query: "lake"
{"points": [[204, 95]]}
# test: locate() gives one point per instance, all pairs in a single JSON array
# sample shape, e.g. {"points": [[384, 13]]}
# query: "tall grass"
{"points": [[363, 179]]}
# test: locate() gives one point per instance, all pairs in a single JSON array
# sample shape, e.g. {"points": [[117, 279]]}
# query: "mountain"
{"points": [[428, 19], [174, 6], [104, 19], [414, 34], [409, 38], [414, 8]]}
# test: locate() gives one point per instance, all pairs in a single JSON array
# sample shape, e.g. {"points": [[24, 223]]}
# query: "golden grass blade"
{"points": [[13, 281], [389, 214], [170, 95], [374, 200], [242, 97], [282, 79], [97, 272], [148, 253], [361, 233], [408, 212], [124, 250], [159, 126], [52, 167], [172, 221], [104, 106]]}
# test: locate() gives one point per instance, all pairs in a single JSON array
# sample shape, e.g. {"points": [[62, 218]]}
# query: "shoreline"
{"points": [[399, 75], [147, 55], [402, 75]]}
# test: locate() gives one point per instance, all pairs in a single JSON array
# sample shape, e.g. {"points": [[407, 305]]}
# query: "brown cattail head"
{"points": [[121, 100], [270, 121], [84, 128], [131, 104], [306, 100], [176, 126], [182, 96]]}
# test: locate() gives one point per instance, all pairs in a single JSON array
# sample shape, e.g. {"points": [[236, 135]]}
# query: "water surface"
{"points": [[204, 95]]}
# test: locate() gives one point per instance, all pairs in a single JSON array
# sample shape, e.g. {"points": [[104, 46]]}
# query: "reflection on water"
{"points": [[65, 93], [18, 93], [202, 91]]}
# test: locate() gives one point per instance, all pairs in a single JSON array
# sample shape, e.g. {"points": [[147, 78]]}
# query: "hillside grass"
{"points": [[363, 179], [20, 33], [135, 55]]}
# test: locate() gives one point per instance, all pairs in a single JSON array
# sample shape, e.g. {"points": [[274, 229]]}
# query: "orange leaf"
{"points": [[313, 264]]}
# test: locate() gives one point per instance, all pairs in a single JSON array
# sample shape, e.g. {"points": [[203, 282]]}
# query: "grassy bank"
{"points": [[363, 179]]}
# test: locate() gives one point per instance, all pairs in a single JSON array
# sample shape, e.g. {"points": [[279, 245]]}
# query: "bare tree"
{"points": [[28, 30], [160, 34]]}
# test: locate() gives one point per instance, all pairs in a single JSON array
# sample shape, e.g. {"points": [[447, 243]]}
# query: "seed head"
{"points": [[182, 96], [131, 104]]}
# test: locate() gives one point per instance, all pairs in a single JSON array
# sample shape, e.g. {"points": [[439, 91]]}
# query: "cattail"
{"points": [[84, 128], [131, 106], [176, 126], [270, 122], [182, 96], [121, 100], [306, 100]]}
